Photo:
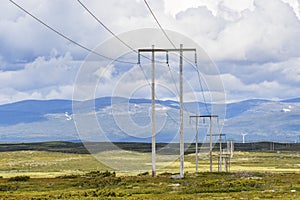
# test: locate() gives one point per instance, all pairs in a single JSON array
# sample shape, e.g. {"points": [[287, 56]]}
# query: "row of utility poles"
{"points": [[222, 156], [210, 138]]}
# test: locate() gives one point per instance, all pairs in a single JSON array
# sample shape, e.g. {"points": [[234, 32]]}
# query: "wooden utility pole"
{"points": [[196, 142], [153, 115], [181, 115], [220, 158], [181, 146], [230, 148]]}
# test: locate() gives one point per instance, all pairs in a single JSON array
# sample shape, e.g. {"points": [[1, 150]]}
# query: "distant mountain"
{"points": [[31, 111], [295, 100], [35, 120], [236, 109]]}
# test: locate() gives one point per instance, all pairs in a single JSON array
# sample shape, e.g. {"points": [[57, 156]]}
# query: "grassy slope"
{"points": [[51, 164], [193, 186], [254, 175]]}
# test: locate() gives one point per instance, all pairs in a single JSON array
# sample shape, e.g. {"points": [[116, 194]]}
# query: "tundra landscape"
{"points": [[141, 99]]}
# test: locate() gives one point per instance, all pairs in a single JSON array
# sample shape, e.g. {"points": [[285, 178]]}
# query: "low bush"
{"points": [[8, 187], [143, 174], [94, 174], [19, 178], [68, 176]]}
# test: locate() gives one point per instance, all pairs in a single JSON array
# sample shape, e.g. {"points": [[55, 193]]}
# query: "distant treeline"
{"points": [[162, 148], [267, 146]]}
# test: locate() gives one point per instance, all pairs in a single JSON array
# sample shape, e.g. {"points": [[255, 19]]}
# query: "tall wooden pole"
{"points": [[196, 144], [181, 116], [153, 116], [210, 144], [220, 158]]}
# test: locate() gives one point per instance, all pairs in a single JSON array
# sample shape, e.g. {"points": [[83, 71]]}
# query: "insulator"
{"points": [[195, 58], [167, 57], [139, 58]]}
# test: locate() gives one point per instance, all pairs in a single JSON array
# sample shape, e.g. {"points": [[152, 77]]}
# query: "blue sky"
{"points": [[254, 43]]}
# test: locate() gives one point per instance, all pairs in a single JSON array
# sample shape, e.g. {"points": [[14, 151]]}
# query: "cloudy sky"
{"points": [[254, 43]]}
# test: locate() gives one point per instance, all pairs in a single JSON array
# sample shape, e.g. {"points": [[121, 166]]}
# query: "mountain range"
{"points": [[123, 120]]}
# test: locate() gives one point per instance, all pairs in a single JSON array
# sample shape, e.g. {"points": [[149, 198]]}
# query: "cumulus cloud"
{"points": [[43, 78], [268, 32], [255, 43], [286, 85]]}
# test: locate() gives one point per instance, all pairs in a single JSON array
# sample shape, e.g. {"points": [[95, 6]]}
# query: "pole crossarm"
{"points": [[216, 134], [166, 50], [207, 116]]}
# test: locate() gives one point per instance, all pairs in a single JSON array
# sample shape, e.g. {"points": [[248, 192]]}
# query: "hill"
{"points": [[130, 120]]}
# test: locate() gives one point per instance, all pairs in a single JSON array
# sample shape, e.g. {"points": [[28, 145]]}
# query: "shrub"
{"points": [[94, 174], [68, 176], [143, 174], [19, 178], [8, 187]]}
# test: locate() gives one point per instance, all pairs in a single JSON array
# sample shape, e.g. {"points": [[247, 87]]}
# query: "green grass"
{"points": [[52, 164], [193, 186], [54, 175], [46, 164]]}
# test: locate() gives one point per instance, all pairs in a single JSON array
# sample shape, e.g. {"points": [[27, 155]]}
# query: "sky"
{"points": [[255, 44]]}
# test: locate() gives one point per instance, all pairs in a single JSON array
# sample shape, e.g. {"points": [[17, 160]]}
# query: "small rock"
{"points": [[175, 185], [176, 176]]}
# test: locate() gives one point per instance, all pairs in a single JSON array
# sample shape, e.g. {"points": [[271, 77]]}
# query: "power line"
{"points": [[152, 13], [102, 24], [140, 66], [201, 86], [173, 79], [66, 37], [166, 35], [164, 32], [204, 99], [96, 53], [118, 38], [110, 31], [146, 78]]}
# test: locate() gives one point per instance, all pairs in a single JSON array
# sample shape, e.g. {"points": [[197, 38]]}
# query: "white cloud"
{"points": [[255, 42], [282, 84], [42, 72], [41, 79], [295, 4], [258, 35]]}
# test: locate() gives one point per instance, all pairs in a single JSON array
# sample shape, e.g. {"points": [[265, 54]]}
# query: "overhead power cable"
{"points": [[166, 35], [110, 31], [152, 13], [201, 86], [139, 64], [66, 37], [102, 24]]}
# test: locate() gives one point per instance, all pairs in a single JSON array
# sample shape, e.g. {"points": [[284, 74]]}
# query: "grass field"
{"points": [[43, 164], [54, 175]]}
